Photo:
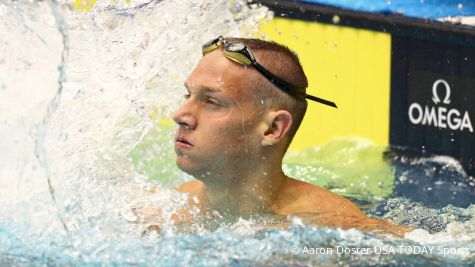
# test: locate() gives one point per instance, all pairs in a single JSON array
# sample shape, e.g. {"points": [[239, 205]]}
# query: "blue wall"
{"points": [[411, 8]]}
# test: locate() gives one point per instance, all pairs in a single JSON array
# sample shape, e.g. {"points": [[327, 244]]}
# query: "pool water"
{"points": [[85, 101]]}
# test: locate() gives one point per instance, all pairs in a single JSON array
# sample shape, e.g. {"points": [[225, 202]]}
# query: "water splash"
{"points": [[101, 78]]}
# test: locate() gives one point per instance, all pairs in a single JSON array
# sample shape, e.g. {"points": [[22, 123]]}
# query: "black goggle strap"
{"points": [[244, 56], [281, 84], [321, 100], [289, 89]]}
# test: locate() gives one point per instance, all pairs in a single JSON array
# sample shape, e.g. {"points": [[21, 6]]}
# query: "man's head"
{"points": [[235, 116]]}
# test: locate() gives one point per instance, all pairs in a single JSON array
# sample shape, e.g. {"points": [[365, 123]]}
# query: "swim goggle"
{"points": [[240, 53]]}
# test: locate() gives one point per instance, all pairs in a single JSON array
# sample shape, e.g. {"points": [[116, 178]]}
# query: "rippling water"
{"points": [[85, 102]]}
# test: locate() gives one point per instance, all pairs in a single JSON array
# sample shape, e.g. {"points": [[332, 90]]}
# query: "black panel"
{"points": [[416, 66]]}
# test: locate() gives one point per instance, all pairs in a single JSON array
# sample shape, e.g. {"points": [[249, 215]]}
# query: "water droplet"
{"points": [[336, 19], [195, 199], [234, 6]]}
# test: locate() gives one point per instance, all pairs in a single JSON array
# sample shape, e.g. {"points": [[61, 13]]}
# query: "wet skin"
{"points": [[233, 147]]}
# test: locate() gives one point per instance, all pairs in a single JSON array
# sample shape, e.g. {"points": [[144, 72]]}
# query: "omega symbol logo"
{"points": [[435, 95]]}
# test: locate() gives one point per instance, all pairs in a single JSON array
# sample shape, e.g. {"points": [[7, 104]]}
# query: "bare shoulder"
{"points": [[301, 197], [193, 187]]}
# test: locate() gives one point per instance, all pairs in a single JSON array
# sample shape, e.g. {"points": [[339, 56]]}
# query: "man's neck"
{"points": [[244, 195]]}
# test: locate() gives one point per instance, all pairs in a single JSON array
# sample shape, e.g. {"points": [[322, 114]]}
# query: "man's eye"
{"points": [[186, 96], [211, 101]]}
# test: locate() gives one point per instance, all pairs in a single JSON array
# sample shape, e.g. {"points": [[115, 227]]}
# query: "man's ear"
{"points": [[278, 125]]}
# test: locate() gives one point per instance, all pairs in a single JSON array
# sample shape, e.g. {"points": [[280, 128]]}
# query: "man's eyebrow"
{"points": [[204, 88]]}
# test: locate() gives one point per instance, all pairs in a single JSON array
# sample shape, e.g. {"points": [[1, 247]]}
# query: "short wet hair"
{"points": [[284, 63]]}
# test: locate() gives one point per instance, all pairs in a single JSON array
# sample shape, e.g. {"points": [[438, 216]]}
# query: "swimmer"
{"points": [[244, 103]]}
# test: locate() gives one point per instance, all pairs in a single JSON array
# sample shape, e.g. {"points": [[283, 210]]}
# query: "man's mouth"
{"points": [[180, 141]]}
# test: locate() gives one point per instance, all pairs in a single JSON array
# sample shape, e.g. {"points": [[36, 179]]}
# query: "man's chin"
{"points": [[187, 166], [198, 171]]}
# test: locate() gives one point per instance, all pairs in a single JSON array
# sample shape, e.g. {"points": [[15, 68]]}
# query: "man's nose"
{"points": [[185, 116]]}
